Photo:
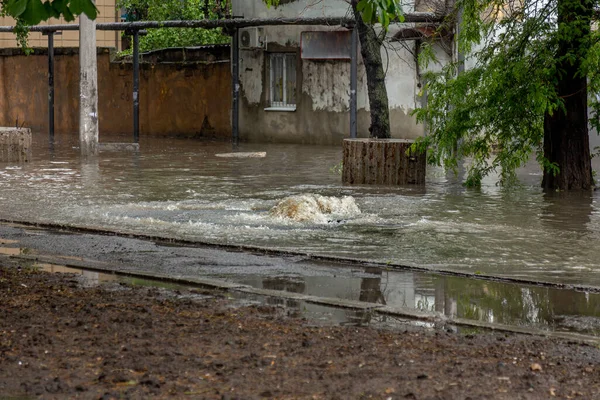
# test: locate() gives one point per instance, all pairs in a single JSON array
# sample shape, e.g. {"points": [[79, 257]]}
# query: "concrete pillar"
{"points": [[88, 87]]}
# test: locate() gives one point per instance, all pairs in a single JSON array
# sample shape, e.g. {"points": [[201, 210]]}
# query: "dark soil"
{"points": [[60, 339]]}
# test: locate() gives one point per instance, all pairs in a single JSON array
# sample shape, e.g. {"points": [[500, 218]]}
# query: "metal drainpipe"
{"points": [[235, 112], [353, 83], [136, 86]]}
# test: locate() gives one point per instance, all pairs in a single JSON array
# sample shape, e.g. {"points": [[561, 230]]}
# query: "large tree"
{"points": [[366, 14], [525, 92]]}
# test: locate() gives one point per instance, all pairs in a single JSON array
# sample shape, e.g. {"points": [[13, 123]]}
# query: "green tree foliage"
{"points": [[152, 10], [32, 12], [527, 56]]}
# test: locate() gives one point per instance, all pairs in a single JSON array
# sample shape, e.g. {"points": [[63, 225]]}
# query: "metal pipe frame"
{"points": [[225, 23]]}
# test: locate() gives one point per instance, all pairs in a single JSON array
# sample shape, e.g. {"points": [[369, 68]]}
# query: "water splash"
{"points": [[315, 208]]}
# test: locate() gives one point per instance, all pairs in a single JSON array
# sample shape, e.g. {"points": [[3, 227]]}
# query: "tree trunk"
{"points": [[566, 137], [370, 48]]}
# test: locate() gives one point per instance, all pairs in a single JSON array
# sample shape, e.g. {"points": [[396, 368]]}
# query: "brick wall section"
{"points": [[107, 12], [182, 99]]}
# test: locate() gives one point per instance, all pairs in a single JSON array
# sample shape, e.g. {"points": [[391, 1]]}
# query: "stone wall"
{"points": [[190, 99]]}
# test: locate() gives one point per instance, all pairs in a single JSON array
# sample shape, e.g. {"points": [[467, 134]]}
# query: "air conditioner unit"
{"points": [[253, 38]]}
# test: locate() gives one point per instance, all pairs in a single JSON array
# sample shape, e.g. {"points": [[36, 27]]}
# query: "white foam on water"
{"points": [[315, 208]]}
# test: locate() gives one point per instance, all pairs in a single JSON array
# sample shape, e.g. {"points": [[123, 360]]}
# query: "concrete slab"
{"points": [[119, 147], [259, 154], [15, 144]]}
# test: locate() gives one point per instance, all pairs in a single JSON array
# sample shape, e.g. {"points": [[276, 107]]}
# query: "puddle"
{"points": [[316, 314], [11, 251], [537, 307], [480, 300]]}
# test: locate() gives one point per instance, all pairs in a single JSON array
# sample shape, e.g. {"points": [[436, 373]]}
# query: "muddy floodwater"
{"points": [[290, 197], [181, 188]]}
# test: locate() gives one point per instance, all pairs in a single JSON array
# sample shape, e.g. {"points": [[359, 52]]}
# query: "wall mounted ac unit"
{"points": [[253, 38]]}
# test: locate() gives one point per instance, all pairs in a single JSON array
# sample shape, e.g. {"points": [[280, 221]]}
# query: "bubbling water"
{"points": [[315, 208]]}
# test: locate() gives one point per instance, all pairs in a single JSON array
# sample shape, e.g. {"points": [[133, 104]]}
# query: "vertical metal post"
{"points": [[136, 86], [353, 82], [235, 112], [51, 86]]}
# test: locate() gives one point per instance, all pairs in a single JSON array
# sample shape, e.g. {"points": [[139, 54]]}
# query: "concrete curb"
{"points": [[316, 257]]}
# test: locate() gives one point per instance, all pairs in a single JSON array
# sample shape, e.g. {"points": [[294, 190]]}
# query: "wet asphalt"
{"points": [[130, 254]]}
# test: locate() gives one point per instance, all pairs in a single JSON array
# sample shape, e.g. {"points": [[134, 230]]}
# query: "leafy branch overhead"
{"points": [[32, 12], [380, 11]]}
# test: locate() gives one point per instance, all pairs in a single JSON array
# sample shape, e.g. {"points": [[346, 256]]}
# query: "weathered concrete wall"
{"points": [[322, 108], [189, 99]]}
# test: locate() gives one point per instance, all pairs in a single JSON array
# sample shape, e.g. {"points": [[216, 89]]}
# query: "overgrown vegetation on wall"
{"points": [[169, 10]]}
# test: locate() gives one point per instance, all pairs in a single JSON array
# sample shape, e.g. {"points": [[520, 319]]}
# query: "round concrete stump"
{"points": [[15, 144], [382, 162]]}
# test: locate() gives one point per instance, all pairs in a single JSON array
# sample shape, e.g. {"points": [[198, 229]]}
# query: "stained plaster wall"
{"points": [[322, 111], [182, 99]]}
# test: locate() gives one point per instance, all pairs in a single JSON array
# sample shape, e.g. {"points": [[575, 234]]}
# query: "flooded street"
{"points": [[181, 189]]}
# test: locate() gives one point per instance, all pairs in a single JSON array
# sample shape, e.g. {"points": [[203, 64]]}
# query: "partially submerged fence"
{"points": [[231, 26]]}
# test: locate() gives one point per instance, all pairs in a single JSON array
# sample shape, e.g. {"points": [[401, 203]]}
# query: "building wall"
{"points": [[107, 13], [322, 110], [182, 99]]}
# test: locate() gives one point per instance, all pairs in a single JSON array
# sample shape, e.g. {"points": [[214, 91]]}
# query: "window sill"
{"points": [[285, 109]]}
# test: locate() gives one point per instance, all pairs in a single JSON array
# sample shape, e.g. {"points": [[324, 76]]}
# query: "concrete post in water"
{"points": [[382, 162], [88, 87], [15, 144]]}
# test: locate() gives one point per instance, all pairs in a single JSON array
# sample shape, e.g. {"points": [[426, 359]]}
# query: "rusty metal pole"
{"points": [[51, 86], [136, 86], [353, 83], [235, 112]]}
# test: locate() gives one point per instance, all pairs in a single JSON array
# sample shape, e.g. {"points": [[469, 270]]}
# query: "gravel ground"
{"points": [[60, 338]]}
